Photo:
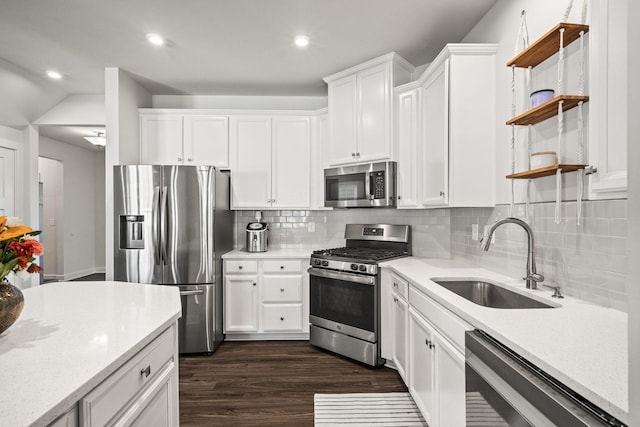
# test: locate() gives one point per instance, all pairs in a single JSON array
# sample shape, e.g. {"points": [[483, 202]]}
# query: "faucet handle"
{"points": [[536, 277], [556, 291]]}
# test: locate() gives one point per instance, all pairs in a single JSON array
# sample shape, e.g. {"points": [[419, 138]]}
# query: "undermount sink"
{"points": [[488, 294]]}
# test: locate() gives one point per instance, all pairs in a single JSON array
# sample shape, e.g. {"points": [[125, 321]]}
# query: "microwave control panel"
{"points": [[377, 184]]}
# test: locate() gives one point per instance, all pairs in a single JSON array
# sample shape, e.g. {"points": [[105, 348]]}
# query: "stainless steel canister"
{"points": [[257, 237]]}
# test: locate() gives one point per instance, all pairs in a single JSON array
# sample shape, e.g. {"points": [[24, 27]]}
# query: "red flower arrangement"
{"points": [[18, 249]]}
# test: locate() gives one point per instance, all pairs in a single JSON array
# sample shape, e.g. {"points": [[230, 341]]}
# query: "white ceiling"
{"points": [[230, 47]]}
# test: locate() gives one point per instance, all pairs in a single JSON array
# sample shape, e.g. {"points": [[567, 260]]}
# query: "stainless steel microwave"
{"points": [[371, 185]]}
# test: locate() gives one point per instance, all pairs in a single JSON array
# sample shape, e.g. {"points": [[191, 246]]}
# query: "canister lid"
{"points": [[256, 226]]}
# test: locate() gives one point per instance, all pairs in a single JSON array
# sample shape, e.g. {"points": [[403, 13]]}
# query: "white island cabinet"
{"points": [[92, 354]]}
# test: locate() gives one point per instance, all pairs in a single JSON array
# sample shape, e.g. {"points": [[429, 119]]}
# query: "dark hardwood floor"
{"points": [[270, 383]]}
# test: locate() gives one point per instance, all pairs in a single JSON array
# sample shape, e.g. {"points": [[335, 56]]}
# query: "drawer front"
{"points": [[282, 317], [236, 266], [399, 285], [115, 393], [282, 288], [447, 323], [282, 266]]}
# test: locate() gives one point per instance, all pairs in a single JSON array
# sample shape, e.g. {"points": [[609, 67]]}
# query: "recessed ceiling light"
{"points": [[155, 39], [301, 41], [53, 74]]}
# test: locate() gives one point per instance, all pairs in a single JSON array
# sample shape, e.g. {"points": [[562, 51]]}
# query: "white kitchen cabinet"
{"points": [[452, 112], [270, 162], [422, 363], [68, 419], [172, 138], [240, 301], [319, 159], [450, 371], [400, 326], [144, 389], [266, 298], [361, 109]]}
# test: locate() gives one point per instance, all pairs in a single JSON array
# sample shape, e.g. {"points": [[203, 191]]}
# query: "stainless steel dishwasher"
{"points": [[504, 389]]}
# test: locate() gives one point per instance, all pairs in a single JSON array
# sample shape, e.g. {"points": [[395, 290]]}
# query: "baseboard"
{"points": [[267, 337]]}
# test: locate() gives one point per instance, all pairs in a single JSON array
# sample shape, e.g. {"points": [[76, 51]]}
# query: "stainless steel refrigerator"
{"points": [[172, 225]]}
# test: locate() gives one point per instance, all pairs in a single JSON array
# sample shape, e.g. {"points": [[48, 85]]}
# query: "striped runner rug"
{"points": [[366, 409]]}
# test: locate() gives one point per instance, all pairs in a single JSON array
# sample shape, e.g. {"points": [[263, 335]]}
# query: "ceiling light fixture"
{"points": [[301, 41], [155, 39], [53, 74], [99, 139]]}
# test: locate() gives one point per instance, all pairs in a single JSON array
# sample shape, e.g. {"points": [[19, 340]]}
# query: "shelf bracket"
{"points": [[590, 170]]}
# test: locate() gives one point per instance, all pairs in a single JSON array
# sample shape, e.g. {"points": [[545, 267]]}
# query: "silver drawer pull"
{"points": [[239, 267], [282, 318], [281, 289], [146, 371], [282, 267]]}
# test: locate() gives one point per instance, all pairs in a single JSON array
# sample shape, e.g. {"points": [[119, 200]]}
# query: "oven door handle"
{"points": [[347, 277]]}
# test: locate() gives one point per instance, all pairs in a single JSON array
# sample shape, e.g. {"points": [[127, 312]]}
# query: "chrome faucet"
{"points": [[532, 277]]}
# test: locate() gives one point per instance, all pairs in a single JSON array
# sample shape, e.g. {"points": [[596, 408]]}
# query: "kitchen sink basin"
{"points": [[488, 294]]}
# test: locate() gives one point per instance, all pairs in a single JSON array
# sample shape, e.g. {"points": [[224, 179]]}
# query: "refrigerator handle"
{"points": [[155, 224], [163, 225]]}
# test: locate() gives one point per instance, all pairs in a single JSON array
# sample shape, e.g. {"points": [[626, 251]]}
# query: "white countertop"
{"points": [[581, 344], [70, 337], [303, 252]]}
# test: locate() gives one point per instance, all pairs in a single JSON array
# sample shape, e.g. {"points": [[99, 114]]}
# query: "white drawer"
{"points": [[282, 317], [234, 266], [282, 266], [447, 323], [399, 285], [115, 393], [285, 288]]}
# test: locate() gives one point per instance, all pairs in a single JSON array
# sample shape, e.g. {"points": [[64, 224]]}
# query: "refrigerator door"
{"points": [[137, 194], [186, 214], [198, 331]]}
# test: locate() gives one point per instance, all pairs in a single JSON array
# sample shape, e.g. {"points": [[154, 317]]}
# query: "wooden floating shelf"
{"points": [[548, 171], [549, 109], [547, 45]]}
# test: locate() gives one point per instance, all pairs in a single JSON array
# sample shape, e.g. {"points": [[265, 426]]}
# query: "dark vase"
{"points": [[11, 303]]}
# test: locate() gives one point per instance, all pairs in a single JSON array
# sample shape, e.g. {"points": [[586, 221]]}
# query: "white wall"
{"points": [[75, 110], [123, 97], [79, 204], [52, 178]]}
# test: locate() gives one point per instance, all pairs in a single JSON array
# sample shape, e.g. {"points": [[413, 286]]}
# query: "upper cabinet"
{"points": [[361, 110], [171, 138], [446, 131], [270, 162]]}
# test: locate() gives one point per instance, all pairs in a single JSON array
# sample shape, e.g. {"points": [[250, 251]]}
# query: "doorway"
{"points": [[51, 173]]}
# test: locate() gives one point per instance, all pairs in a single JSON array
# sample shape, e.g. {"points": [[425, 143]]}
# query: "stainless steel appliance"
{"points": [[257, 237], [172, 224], [504, 389], [344, 288], [371, 185]]}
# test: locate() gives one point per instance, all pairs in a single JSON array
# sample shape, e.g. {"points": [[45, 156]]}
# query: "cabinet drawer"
{"points": [[282, 266], [399, 285], [282, 317], [285, 288], [447, 323], [240, 266], [115, 393]]}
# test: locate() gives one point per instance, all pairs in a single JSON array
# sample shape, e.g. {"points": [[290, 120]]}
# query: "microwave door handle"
{"points": [[368, 185]]}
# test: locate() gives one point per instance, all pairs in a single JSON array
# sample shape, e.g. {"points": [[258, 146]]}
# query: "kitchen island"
{"points": [[89, 351], [581, 344]]}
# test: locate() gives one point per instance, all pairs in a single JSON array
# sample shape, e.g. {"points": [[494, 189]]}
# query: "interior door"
{"points": [[7, 181]]}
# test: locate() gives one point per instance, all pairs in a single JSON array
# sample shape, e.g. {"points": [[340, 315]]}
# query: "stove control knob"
{"points": [[363, 268], [325, 263], [354, 267], [317, 262]]}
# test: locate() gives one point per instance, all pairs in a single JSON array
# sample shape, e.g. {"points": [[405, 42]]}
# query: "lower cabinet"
{"points": [[426, 343], [266, 299], [142, 392]]}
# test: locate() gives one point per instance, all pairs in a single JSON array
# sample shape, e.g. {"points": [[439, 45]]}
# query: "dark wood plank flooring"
{"points": [[270, 383]]}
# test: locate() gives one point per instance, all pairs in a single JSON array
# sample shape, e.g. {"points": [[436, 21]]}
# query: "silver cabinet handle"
{"points": [[146, 371], [442, 193], [189, 159], [357, 154], [179, 159], [282, 318], [196, 292], [282, 267], [254, 283], [281, 289], [239, 267]]}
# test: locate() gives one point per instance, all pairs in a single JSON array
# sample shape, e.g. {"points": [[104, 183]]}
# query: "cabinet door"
{"points": [[422, 366], [291, 162], [342, 121], [250, 162], [408, 151], [240, 303], [450, 383], [206, 140], [161, 139], [400, 318], [374, 116], [435, 156]]}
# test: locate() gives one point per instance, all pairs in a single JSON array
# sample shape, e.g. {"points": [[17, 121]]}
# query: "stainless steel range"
{"points": [[345, 290]]}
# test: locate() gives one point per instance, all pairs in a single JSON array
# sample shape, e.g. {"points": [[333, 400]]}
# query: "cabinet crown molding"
{"points": [[457, 49], [231, 112], [389, 57]]}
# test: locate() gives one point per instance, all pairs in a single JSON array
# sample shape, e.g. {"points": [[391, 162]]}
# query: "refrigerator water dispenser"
{"points": [[131, 227]]}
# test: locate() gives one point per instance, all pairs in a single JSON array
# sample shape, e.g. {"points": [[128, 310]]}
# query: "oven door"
{"points": [[344, 302]]}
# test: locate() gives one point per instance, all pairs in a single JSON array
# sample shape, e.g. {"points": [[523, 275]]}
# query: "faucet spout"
{"points": [[532, 276]]}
